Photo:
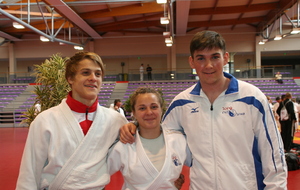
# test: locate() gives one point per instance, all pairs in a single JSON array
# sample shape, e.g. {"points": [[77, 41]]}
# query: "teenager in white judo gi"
{"points": [[156, 158], [67, 145], [228, 123]]}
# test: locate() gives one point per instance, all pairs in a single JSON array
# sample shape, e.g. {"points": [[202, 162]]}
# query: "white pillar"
{"points": [[257, 62], [12, 62], [171, 61]]}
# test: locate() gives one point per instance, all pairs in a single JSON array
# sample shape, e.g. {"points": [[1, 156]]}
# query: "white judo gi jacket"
{"points": [[57, 155], [138, 171], [235, 143]]}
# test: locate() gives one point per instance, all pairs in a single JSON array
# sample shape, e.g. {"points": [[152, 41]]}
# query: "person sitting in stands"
{"points": [[278, 77]]}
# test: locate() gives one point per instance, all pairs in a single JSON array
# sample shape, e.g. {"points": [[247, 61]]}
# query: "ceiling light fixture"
{"points": [[44, 39], [263, 41], [161, 1], [169, 40], [166, 34], [164, 20], [295, 31], [78, 47], [18, 25], [278, 37]]}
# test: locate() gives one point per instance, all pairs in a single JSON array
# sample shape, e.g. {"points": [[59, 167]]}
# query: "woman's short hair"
{"points": [[144, 90]]}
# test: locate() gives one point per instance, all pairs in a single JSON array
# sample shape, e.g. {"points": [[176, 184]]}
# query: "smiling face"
{"points": [[209, 64], [148, 113], [87, 82]]}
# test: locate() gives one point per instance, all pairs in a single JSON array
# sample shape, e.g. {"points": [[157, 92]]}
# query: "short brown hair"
{"points": [[288, 95], [207, 40], [72, 63]]}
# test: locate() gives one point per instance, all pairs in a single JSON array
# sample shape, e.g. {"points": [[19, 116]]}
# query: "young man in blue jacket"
{"points": [[229, 125]]}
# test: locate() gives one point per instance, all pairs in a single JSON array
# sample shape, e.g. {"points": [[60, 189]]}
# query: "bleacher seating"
{"points": [[105, 92], [103, 96], [23, 79], [26, 104], [110, 78], [9, 93], [273, 89], [169, 88]]}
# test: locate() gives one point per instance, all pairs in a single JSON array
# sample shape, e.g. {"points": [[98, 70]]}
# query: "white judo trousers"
{"points": [[57, 155], [138, 171]]}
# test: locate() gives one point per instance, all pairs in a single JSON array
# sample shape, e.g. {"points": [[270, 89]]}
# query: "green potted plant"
{"points": [[52, 86]]}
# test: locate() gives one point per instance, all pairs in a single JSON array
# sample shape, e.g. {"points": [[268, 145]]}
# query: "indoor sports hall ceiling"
{"points": [[77, 21]]}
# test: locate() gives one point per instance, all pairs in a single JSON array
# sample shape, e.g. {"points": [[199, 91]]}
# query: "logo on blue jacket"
{"points": [[231, 112], [195, 110]]}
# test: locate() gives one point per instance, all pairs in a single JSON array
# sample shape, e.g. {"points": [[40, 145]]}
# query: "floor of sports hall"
{"points": [[12, 142]]}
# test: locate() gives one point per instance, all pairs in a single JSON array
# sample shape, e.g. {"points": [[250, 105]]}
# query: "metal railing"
{"points": [[163, 74]]}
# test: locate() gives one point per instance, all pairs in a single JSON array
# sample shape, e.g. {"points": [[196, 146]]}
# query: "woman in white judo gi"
{"points": [[67, 145], [156, 158]]}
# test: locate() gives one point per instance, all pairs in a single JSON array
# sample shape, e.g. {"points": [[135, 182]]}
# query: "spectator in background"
{"points": [[270, 102], [278, 77], [149, 72], [287, 125], [275, 107], [228, 123], [117, 106], [142, 72], [37, 108], [296, 108], [67, 145]]}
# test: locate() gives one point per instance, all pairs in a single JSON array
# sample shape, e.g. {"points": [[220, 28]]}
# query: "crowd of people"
{"points": [[286, 110], [221, 127]]}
